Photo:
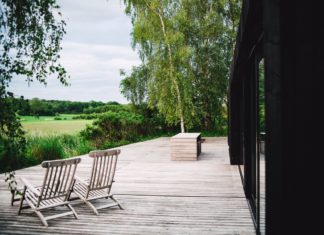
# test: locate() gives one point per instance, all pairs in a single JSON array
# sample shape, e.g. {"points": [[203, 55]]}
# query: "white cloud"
{"points": [[96, 47]]}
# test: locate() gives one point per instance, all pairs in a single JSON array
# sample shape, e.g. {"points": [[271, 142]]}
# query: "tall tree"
{"points": [[166, 55], [187, 46], [30, 36], [211, 29]]}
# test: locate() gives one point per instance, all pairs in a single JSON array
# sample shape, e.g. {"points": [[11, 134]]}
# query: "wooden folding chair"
{"points": [[55, 191], [100, 182]]}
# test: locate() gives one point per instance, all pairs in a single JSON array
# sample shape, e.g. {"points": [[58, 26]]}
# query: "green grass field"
{"points": [[47, 125]]}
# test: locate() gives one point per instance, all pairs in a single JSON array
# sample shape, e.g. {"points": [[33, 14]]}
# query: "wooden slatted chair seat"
{"points": [[55, 190], [94, 194], [100, 182], [33, 198]]}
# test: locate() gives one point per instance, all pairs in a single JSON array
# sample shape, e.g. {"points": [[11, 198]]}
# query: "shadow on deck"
{"points": [[160, 196]]}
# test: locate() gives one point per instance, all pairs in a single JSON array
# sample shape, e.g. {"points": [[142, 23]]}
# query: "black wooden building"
{"points": [[275, 114]]}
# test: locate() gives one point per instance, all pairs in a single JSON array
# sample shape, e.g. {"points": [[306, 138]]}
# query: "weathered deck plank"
{"points": [[160, 196]]}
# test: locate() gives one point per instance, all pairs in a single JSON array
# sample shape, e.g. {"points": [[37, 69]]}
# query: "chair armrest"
{"points": [[30, 186], [77, 178]]}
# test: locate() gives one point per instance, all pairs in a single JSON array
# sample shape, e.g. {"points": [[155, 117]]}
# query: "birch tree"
{"points": [[187, 46], [165, 53]]}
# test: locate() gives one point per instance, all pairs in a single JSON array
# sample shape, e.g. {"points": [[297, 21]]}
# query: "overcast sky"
{"points": [[95, 47]]}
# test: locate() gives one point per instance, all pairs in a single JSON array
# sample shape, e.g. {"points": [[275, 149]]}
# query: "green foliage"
{"points": [[12, 141], [136, 123], [114, 127], [186, 47], [211, 33], [30, 40], [39, 107], [134, 86], [74, 145], [44, 148], [166, 55], [97, 112], [107, 107], [87, 116], [261, 92], [30, 36], [154, 121], [41, 148]]}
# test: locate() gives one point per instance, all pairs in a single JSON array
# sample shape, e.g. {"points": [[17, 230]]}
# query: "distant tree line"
{"points": [[41, 107]]}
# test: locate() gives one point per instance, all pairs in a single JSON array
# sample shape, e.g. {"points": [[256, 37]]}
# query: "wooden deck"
{"points": [[160, 196]]}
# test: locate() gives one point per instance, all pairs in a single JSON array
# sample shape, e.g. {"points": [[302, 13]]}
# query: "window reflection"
{"points": [[261, 148]]}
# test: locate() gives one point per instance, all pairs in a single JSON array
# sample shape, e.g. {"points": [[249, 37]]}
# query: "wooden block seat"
{"points": [[185, 146]]}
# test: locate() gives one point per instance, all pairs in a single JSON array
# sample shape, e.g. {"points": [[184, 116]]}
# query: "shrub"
{"points": [[57, 118], [93, 134], [41, 148], [44, 148], [84, 147], [75, 145], [87, 116], [114, 127], [12, 153]]}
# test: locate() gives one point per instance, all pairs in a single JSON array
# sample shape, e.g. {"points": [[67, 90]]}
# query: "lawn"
{"points": [[47, 125]]}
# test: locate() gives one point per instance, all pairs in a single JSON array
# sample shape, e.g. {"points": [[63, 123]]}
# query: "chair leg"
{"points": [[118, 203], [92, 207], [13, 197], [22, 200], [73, 211], [42, 218]]}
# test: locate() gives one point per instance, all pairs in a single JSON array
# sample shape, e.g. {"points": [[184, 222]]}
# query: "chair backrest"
{"points": [[103, 168], [59, 177]]}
